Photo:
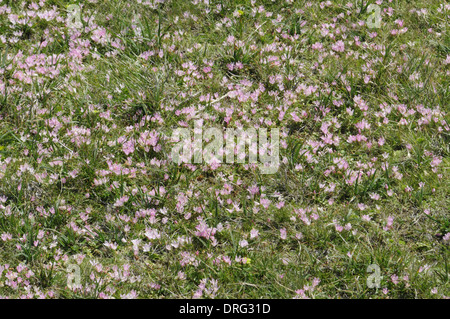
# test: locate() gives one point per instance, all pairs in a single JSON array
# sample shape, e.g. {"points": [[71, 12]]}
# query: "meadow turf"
{"points": [[93, 206]]}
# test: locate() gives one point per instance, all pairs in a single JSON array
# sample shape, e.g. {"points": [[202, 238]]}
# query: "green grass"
{"points": [[63, 168]]}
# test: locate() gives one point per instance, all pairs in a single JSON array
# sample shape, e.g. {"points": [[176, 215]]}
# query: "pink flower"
{"points": [[338, 46], [435, 162], [243, 243], [254, 233], [283, 233], [6, 236], [317, 46], [128, 147], [394, 279], [131, 295]]}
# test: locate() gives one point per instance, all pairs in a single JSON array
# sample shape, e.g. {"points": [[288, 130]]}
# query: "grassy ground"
{"points": [[87, 184]]}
